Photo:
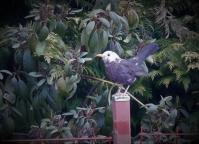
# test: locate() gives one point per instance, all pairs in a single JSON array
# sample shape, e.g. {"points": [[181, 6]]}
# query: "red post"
{"points": [[121, 119]]}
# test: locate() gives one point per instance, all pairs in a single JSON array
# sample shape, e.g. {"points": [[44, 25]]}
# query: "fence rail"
{"points": [[104, 140], [175, 137]]}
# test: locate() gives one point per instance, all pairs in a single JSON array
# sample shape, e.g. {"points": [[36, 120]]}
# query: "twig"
{"points": [[143, 105], [114, 84], [99, 79]]}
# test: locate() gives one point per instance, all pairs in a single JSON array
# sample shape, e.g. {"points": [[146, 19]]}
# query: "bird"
{"points": [[126, 71]]}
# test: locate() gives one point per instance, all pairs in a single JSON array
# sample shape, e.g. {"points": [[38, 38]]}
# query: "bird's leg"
{"points": [[120, 88], [123, 91], [126, 90]]}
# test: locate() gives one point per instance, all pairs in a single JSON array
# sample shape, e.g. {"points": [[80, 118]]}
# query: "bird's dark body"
{"points": [[125, 71]]}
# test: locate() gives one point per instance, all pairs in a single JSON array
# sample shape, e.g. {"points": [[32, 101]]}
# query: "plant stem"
{"points": [[114, 84], [99, 79]]}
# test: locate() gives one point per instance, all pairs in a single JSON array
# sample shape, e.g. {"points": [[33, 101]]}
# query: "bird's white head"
{"points": [[109, 56]]}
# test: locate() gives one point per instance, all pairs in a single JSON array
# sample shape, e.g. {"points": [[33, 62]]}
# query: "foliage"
{"points": [[47, 65], [159, 119], [78, 122], [101, 25]]}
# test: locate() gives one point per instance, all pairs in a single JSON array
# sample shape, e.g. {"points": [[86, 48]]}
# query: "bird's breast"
{"points": [[118, 73]]}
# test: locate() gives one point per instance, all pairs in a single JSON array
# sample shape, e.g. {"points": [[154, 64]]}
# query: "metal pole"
{"points": [[121, 119]]}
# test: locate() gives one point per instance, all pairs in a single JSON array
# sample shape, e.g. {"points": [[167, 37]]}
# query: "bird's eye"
{"points": [[108, 54]]}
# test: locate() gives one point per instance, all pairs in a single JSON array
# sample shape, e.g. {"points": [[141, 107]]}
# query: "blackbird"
{"points": [[126, 71]]}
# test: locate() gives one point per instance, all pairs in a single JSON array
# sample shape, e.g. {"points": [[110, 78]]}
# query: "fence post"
{"points": [[121, 119]]}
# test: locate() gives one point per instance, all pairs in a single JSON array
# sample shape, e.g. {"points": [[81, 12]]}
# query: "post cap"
{"points": [[120, 97]]}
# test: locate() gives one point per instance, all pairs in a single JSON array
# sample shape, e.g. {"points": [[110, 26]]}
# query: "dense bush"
{"points": [[52, 85]]}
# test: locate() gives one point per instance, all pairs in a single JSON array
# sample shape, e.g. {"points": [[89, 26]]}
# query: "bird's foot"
{"points": [[122, 91], [121, 94]]}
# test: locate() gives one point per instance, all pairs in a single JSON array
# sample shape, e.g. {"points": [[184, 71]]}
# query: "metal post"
{"points": [[121, 119]]}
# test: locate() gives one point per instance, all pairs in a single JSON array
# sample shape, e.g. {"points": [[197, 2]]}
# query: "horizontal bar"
{"points": [[178, 134], [61, 139]]}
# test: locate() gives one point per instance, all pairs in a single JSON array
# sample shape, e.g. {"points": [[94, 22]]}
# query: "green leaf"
{"points": [[41, 82], [151, 107], [6, 71], [43, 33], [154, 73], [103, 39], [139, 88], [83, 60], [60, 28], [89, 28], [22, 90], [77, 11], [93, 44], [166, 80], [1, 76], [95, 12], [53, 132], [40, 48], [35, 74], [108, 7], [16, 111], [83, 54], [16, 45], [128, 38], [179, 73], [61, 84], [28, 62], [114, 17], [118, 48], [165, 101], [69, 84], [84, 38], [72, 92], [51, 24], [9, 125], [105, 22], [55, 44], [124, 20], [133, 18], [83, 23], [10, 97], [186, 82]]}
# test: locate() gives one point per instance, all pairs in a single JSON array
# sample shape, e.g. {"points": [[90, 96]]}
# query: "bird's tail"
{"points": [[146, 51]]}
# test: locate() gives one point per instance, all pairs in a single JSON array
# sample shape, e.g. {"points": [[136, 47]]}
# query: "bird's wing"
{"points": [[120, 72], [144, 53], [134, 68]]}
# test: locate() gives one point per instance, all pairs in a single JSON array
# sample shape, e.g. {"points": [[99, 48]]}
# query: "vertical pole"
{"points": [[121, 119]]}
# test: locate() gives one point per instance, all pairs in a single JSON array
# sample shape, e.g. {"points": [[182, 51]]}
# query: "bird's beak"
{"points": [[99, 55]]}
